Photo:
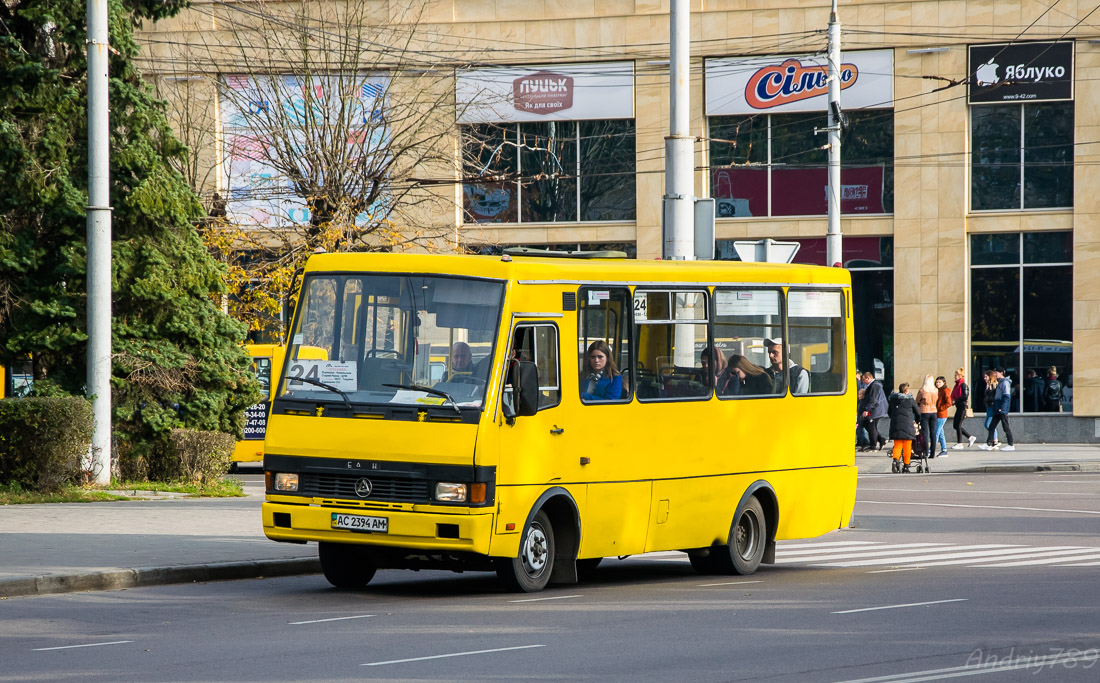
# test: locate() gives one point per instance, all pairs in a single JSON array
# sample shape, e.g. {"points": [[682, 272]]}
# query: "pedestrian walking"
{"points": [[990, 394], [872, 408], [1002, 404], [1053, 392], [960, 397], [926, 404], [943, 402], [904, 417]]}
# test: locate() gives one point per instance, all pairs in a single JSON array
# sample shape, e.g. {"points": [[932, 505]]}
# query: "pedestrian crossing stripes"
{"points": [[850, 554], [898, 556]]}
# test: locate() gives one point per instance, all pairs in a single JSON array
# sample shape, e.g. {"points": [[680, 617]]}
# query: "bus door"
{"points": [[534, 449]]}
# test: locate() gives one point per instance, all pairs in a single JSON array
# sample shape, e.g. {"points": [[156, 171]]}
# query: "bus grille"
{"points": [[382, 488]]}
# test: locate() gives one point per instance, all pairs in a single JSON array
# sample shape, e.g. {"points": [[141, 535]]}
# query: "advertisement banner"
{"points": [[562, 92], [742, 191], [798, 83], [1021, 72]]}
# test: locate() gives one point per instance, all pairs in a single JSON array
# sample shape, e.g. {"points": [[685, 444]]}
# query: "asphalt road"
{"points": [[943, 576]]}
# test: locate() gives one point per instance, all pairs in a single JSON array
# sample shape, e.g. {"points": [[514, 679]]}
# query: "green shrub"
{"points": [[202, 457], [42, 441]]}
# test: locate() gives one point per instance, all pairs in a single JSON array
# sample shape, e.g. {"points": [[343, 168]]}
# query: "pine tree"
{"points": [[178, 360]]}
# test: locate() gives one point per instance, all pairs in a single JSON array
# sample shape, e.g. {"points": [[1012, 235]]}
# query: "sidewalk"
{"points": [[56, 548], [63, 547], [1026, 458]]}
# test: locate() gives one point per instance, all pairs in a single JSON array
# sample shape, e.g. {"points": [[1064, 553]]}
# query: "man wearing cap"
{"points": [[800, 378]]}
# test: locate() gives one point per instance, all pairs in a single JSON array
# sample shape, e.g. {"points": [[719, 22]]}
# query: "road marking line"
{"points": [[69, 647], [1045, 560], [784, 553], [728, 583], [1008, 493], [453, 654], [1021, 555], [981, 507], [555, 597], [1038, 663], [670, 559], [1080, 564], [318, 621], [792, 546], [926, 560], [896, 554], [909, 604], [899, 569]]}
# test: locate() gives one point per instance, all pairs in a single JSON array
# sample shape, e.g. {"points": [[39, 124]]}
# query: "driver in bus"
{"points": [[462, 360], [800, 377]]}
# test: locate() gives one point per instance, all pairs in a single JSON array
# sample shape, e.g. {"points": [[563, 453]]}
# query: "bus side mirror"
{"points": [[524, 378]]}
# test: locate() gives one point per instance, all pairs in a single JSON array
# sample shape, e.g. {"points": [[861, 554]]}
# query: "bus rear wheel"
{"points": [[529, 572], [748, 538], [346, 566]]}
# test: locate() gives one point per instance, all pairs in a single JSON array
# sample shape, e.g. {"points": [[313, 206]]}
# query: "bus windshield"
{"points": [[383, 339]]}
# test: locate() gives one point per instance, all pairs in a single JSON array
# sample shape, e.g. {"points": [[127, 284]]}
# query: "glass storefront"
{"points": [[1021, 316]]}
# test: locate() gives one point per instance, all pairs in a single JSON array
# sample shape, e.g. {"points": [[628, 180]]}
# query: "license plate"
{"points": [[379, 525]]}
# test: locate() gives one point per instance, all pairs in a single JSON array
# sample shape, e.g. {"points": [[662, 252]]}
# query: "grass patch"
{"points": [[228, 487], [13, 494]]}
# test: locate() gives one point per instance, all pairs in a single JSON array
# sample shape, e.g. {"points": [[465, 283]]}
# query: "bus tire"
{"points": [[529, 572], [748, 539], [345, 566]]}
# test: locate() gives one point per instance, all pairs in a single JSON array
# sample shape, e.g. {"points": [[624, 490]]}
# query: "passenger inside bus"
{"points": [[600, 380], [742, 377], [713, 364], [800, 377]]}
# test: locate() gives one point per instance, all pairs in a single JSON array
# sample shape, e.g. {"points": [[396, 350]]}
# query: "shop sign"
{"points": [[562, 92], [1021, 72], [754, 85]]}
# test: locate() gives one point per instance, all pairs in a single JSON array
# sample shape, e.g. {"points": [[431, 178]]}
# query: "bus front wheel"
{"points": [[529, 572], [345, 566], [748, 538]]}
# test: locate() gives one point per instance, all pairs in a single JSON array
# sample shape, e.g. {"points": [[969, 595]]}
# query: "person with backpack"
{"points": [[1034, 391], [960, 398], [1052, 396]]}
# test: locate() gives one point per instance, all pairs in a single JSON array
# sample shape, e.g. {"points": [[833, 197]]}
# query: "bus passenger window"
{"points": [[745, 320], [603, 344], [670, 329], [816, 325]]}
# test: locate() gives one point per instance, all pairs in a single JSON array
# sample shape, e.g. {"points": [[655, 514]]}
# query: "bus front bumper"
{"points": [[406, 529]]}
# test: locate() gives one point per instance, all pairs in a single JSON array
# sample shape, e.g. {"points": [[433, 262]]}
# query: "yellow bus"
{"points": [[527, 466], [267, 360]]}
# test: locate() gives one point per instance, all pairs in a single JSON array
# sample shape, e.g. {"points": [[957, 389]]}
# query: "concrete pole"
{"points": [[99, 245], [834, 248], [679, 207]]}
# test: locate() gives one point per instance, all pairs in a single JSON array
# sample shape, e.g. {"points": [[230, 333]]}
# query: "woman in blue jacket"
{"points": [[600, 380]]}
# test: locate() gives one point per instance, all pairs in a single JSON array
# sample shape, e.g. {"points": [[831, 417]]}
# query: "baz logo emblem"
{"points": [[363, 488]]}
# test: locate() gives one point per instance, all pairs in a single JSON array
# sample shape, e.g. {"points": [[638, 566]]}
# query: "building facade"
{"points": [[972, 143]]}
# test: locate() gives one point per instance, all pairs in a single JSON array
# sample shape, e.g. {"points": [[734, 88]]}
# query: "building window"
{"points": [[549, 172], [1021, 313], [776, 165], [1016, 146]]}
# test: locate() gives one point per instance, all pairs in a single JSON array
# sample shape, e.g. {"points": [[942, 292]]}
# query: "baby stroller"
{"points": [[918, 461]]}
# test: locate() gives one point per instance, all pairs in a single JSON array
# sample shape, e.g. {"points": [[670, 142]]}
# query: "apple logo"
{"points": [[987, 74]]}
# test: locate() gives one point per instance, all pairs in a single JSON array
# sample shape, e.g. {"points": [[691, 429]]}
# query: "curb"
{"points": [[117, 579], [1005, 469]]}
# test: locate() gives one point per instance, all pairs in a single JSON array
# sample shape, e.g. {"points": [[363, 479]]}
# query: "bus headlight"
{"points": [[450, 493], [285, 481]]}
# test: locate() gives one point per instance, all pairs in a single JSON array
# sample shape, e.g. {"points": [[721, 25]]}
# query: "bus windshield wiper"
{"points": [[324, 386], [428, 390]]}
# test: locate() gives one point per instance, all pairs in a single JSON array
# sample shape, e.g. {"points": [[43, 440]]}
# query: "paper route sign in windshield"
{"points": [[338, 374]]}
